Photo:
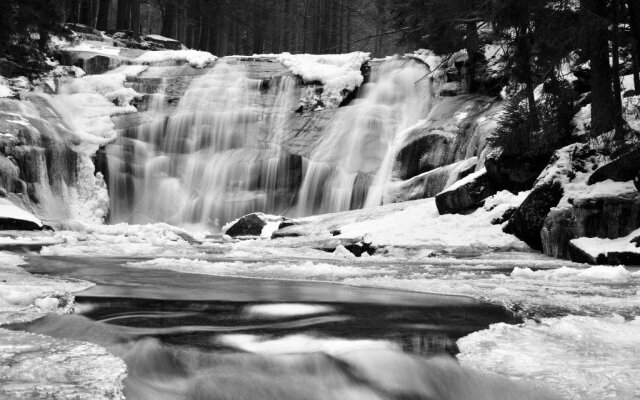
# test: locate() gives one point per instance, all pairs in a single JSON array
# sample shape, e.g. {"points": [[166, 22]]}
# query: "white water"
{"points": [[216, 158], [222, 153], [352, 165]]}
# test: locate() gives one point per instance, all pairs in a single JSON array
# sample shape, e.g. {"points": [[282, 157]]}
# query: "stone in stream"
{"points": [[14, 218], [465, 194], [254, 225]]}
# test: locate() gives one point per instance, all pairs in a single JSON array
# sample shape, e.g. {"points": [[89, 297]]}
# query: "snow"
{"points": [[337, 72], [595, 246], [428, 57], [580, 357], [420, 225], [302, 344], [95, 47], [160, 38], [467, 179], [286, 310], [195, 58], [37, 366], [596, 273], [5, 91], [8, 210]]}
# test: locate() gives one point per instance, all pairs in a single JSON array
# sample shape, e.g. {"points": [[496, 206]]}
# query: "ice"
{"points": [[286, 310], [596, 273], [584, 358], [152, 240], [302, 344], [5, 91], [195, 58], [25, 297], [37, 366], [337, 72], [264, 270], [8, 210]]}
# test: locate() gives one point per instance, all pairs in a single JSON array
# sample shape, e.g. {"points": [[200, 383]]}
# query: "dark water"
{"points": [[186, 336]]}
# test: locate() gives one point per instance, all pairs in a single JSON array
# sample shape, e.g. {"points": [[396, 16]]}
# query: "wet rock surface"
{"points": [[466, 194]]}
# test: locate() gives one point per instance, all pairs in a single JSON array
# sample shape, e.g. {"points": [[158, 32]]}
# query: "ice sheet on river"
{"points": [[584, 358]]}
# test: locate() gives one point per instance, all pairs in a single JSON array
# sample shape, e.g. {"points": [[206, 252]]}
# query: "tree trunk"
{"points": [[135, 16], [349, 27], [619, 135], [169, 20], [473, 46], [593, 13], [103, 15], [122, 22], [634, 21]]}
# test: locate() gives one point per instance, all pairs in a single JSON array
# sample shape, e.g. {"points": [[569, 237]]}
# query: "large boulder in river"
{"points": [[465, 194], [622, 169]]}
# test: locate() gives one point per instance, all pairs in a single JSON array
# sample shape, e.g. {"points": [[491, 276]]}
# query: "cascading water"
{"points": [[216, 158], [221, 154], [352, 165]]}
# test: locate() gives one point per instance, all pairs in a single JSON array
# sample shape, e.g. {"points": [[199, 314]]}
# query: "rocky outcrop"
{"points": [[15, 218], [466, 194], [455, 130], [603, 217], [255, 224], [622, 169]]}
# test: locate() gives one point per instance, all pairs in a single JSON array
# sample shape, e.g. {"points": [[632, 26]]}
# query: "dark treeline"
{"points": [[226, 27]]}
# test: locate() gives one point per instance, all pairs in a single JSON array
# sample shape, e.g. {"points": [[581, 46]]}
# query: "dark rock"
{"points": [[465, 195], [608, 217], [622, 169], [359, 248], [12, 224], [636, 181], [96, 65], [513, 173], [504, 217], [527, 221], [249, 225]]}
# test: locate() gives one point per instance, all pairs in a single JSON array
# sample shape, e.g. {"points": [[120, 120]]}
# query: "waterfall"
{"points": [[225, 150], [352, 165], [217, 157]]}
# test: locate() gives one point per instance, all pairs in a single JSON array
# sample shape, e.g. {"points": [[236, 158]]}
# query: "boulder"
{"points": [[465, 194], [255, 224], [527, 221], [160, 43], [622, 169]]}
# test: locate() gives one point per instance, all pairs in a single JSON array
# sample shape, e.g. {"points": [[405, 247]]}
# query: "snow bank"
{"points": [[421, 225], [5, 91], [302, 344], [94, 47], [195, 58], [337, 72], [286, 310], [582, 358], [37, 366], [596, 273], [596, 246]]}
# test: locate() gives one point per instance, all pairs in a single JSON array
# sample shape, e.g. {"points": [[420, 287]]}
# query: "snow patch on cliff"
{"points": [[339, 73]]}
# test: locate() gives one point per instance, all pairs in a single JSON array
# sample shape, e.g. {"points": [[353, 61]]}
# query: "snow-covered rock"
{"points": [[466, 194], [15, 218], [596, 250], [338, 73], [255, 224]]}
